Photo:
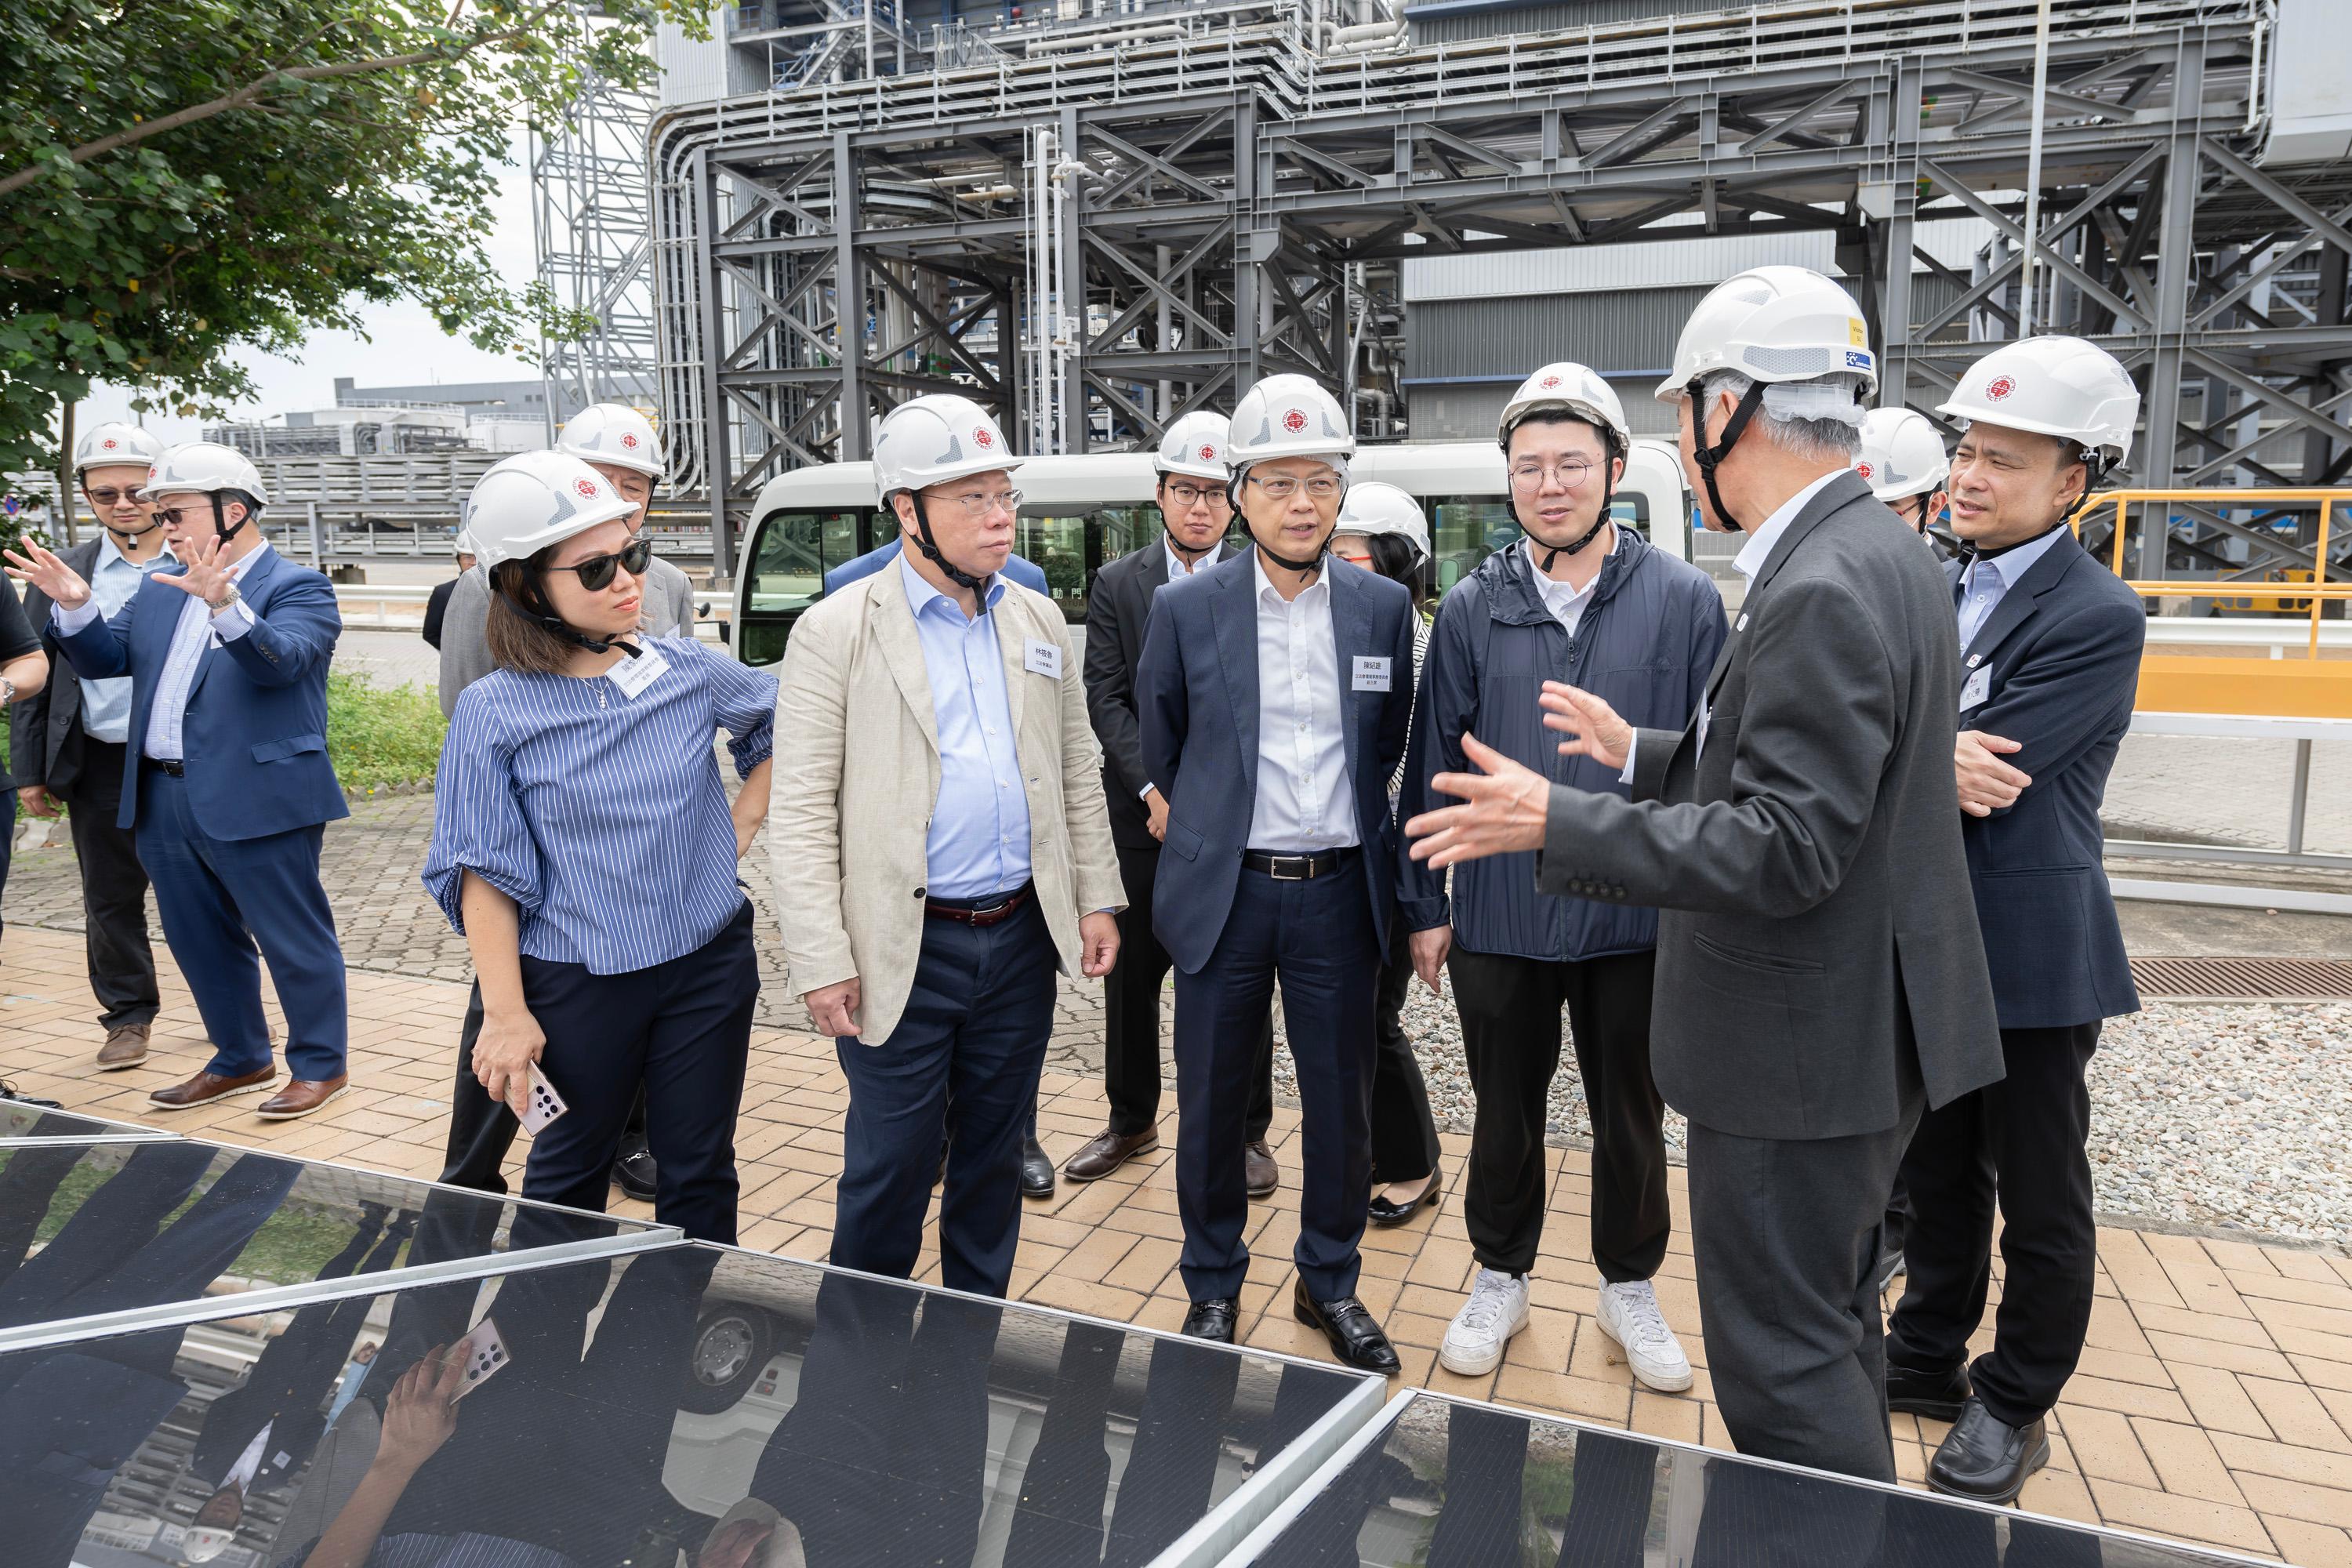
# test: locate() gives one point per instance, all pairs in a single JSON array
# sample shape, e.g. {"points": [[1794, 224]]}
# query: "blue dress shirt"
{"points": [[1986, 580], [1027, 573], [979, 841], [113, 578], [600, 815]]}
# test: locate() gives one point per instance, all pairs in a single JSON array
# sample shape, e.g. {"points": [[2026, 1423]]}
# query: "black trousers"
{"points": [[1510, 1010], [1131, 1015], [1404, 1133], [2020, 1143], [114, 891], [482, 1129]]}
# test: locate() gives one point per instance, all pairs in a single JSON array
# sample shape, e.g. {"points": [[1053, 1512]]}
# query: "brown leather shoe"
{"points": [[1107, 1151], [302, 1096], [1260, 1175], [208, 1087], [126, 1047]]}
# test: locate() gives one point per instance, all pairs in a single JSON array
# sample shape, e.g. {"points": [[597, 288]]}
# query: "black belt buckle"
{"points": [[170, 765], [1291, 867]]}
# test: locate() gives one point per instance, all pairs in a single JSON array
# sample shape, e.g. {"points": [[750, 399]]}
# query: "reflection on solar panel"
{"points": [[20, 1122], [1442, 1483]]}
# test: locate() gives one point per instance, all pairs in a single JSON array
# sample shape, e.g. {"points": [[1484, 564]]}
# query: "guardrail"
{"points": [[2312, 595], [714, 608]]}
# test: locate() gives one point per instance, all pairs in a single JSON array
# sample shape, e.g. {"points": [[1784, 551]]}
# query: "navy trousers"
{"points": [[1316, 938], [683, 1029], [962, 1066], [220, 899]]}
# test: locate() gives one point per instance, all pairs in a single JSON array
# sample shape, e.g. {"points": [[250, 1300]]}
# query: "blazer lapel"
{"points": [[1845, 488], [1232, 609], [891, 623], [1012, 649], [2017, 602], [1351, 633]]}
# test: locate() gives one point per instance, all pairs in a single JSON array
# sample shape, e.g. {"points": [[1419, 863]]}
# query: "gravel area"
{"points": [[2233, 1116]]}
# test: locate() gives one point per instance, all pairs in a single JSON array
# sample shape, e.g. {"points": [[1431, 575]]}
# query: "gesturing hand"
{"points": [[1987, 783], [1592, 727], [1508, 804], [205, 577], [53, 577]]}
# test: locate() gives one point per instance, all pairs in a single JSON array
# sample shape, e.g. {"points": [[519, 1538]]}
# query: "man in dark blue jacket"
{"points": [[2051, 644], [1583, 601]]}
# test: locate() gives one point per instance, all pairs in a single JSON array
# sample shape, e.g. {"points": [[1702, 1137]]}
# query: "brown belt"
{"points": [[974, 913]]}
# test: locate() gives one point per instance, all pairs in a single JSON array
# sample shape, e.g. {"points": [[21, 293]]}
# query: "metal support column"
{"points": [[1072, 323], [2176, 256], [849, 300], [711, 280], [1902, 199]]}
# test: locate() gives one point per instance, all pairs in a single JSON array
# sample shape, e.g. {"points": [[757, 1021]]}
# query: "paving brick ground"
{"points": [[2213, 1405]]}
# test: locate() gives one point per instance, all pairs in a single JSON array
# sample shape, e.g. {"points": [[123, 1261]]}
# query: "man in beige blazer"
{"points": [[941, 849]]}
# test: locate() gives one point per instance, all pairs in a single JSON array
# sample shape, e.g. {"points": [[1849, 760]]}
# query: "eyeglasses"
{"points": [[172, 516], [982, 505], [1187, 497], [597, 572], [1571, 473], [1281, 488], [107, 495]]}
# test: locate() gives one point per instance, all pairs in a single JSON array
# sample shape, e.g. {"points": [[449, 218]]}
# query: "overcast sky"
{"points": [[402, 345]]}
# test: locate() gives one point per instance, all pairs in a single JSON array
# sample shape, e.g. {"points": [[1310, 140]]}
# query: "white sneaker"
{"points": [[1475, 1340], [1630, 1315]]}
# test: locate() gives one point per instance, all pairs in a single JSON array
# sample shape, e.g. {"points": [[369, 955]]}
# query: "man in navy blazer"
{"points": [[2051, 644], [226, 780], [1273, 697], [1017, 568]]}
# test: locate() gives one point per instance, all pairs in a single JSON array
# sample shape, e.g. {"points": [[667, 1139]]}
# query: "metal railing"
{"points": [[2311, 596]]}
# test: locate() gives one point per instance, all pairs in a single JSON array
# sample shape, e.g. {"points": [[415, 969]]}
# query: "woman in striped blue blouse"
{"points": [[584, 843]]}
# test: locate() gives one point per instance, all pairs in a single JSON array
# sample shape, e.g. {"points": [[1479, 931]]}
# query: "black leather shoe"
{"points": [[1385, 1214], [1936, 1394], [1355, 1335], [634, 1170], [1037, 1171], [1213, 1320], [1260, 1175], [1985, 1458]]}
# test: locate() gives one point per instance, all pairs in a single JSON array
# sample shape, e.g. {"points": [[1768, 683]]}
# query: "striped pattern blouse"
{"points": [[602, 815]]}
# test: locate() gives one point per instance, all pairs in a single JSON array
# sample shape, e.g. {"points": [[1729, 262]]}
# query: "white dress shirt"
{"points": [[1985, 582], [1303, 802], [113, 578], [197, 626], [1565, 601]]}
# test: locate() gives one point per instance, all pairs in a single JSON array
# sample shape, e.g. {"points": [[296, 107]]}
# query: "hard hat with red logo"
{"points": [[110, 444], [1289, 417], [1902, 454], [936, 437], [1574, 390], [2058, 386], [1373, 508], [533, 499], [614, 433], [1194, 445]]}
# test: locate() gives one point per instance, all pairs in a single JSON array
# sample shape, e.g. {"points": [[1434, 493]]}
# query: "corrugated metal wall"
{"points": [[1625, 331], [1697, 259], [1444, 21]]}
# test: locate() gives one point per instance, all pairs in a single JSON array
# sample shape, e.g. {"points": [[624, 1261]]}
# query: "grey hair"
{"points": [[1818, 420]]}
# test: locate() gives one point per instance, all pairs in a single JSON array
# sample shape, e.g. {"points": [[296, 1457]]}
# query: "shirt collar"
{"points": [[1322, 583], [1758, 548], [920, 593], [1176, 567], [2009, 567], [1551, 587]]}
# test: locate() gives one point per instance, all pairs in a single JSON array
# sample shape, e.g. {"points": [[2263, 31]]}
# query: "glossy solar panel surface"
{"points": [[1457, 1485], [678, 1408], [19, 1121]]}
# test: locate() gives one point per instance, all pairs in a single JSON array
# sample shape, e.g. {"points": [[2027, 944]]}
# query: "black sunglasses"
{"points": [[597, 572]]}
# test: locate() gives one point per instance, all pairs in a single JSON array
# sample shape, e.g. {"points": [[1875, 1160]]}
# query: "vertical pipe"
{"points": [[1165, 323], [2034, 168], [2299, 799], [2319, 568], [849, 300], [715, 460]]}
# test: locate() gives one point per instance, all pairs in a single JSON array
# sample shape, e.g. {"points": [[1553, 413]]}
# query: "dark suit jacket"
{"points": [[1028, 574], [1118, 609], [1196, 696], [45, 731], [437, 607], [2062, 646], [255, 734], [1818, 951]]}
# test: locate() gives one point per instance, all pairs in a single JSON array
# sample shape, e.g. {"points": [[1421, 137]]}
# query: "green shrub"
{"points": [[382, 736]]}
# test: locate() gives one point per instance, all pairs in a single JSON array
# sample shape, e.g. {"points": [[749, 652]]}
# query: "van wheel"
{"points": [[731, 1347]]}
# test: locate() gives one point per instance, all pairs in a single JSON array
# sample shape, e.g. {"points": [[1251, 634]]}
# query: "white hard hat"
{"points": [[127, 445], [2054, 386], [1902, 454], [1288, 417], [204, 467], [614, 433], [463, 545], [1373, 508], [936, 437], [1774, 324], [203, 1543], [533, 499], [1194, 445], [1571, 389]]}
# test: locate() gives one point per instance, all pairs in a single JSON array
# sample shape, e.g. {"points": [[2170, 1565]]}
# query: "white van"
{"points": [[1077, 512]]}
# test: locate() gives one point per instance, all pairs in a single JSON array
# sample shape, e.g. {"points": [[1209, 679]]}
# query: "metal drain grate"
{"points": [[2266, 979]]}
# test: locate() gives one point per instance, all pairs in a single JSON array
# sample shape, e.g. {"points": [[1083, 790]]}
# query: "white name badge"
{"points": [[1976, 690], [632, 675], [1039, 657], [1372, 674]]}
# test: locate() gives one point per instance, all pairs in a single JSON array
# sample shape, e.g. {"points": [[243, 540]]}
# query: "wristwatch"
{"points": [[233, 597], [7, 693]]}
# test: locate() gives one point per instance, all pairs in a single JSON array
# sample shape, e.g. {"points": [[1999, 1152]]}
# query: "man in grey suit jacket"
{"points": [[1820, 977]]}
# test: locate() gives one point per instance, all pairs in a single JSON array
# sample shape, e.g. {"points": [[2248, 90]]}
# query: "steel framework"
{"points": [[1225, 202]]}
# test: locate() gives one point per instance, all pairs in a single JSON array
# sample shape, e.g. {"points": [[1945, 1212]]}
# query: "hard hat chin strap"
{"points": [[152, 524], [1711, 457], [2095, 469], [931, 548], [223, 529], [543, 614], [1552, 552]]}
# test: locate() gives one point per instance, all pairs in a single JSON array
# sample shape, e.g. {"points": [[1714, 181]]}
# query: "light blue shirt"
{"points": [[1985, 582], [979, 841], [113, 578], [199, 626]]}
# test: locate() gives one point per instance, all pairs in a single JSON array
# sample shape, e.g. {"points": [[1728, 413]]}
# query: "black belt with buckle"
{"points": [[1297, 868], [981, 912], [172, 765]]}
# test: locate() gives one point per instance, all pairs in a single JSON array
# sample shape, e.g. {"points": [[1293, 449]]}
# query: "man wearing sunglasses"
{"points": [[70, 742], [1195, 514], [226, 782], [940, 850]]}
